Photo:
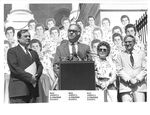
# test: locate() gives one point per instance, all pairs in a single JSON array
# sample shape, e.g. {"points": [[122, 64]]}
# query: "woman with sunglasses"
{"points": [[105, 72]]}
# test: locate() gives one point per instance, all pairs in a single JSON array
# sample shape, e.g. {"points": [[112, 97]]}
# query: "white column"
{"points": [[19, 16], [17, 6]]}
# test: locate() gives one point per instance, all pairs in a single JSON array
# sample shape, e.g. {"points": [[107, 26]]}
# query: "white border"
{"points": [[69, 108]]}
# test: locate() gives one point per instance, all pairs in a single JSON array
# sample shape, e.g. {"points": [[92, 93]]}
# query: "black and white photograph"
{"points": [[74, 52]]}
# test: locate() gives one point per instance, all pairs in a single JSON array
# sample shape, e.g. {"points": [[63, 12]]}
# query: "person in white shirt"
{"points": [[132, 71]]}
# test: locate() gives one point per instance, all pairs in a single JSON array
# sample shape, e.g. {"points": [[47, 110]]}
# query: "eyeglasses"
{"points": [[27, 36], [128, 42], [74, 31], [102, 49]]}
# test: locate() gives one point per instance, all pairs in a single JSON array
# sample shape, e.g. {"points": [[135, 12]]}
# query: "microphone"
{"points": [[75, 57]]}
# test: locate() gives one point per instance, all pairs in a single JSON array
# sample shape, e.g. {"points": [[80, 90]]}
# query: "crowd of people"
{"points": [[118, 54]]}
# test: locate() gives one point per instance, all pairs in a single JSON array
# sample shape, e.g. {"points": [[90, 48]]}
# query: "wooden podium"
{"points": [[77, 75]]}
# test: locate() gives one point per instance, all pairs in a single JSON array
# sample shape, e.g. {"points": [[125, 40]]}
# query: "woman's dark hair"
{"points": [[106, 19], [9, 28], [103, 43], [32, 21], [94, 41], [50, 19], [130, 26], [40, 25], [116, 27], [115, 35], [80, 21], [91, 17], [54, 28], [63, 19], [36, 41], [124, 16]]}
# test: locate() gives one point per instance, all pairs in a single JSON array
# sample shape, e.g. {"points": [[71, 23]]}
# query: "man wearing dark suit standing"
{"points": [[73, 50], [23, 85]]}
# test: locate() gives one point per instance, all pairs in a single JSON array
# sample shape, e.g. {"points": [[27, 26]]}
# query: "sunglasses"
{"points": [[102, 49], [128, 42], [27, 36], [74, 31]]}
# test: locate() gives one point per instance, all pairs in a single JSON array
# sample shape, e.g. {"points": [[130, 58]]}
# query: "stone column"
{"points": [[19, 16]]}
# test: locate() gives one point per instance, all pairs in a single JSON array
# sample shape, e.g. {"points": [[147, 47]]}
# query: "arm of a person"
{"points": [[89, 53], [143, 72], [57, 56], [39, 66], [120, 72], [113, 77], [89, 56], [113, 73], [16, 69]]}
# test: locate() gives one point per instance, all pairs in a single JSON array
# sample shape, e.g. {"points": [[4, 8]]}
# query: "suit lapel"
{"points": [[66, 49], [23, 55], [80, 51], [21, 51]]}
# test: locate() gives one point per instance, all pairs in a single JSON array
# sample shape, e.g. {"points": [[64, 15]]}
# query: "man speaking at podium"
{"points": [[25, 68], [73, 50]]}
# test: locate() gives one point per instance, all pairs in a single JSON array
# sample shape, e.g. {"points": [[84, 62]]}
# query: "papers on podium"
{"points": [[31, 69]]}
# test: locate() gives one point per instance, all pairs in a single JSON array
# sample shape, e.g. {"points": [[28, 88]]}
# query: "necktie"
{"points": [[73, 49], [28, 54], [131, 58]]}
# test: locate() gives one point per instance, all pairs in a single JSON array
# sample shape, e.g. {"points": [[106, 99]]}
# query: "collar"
{"points": [[133, 51], [76, 43], [22, 47]]}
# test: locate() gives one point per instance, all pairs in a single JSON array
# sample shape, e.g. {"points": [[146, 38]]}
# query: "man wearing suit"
{"points": [[72, 50], [132, 72], [23, 87]]}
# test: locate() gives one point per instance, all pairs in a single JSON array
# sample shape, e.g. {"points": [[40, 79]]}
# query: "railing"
{"points": [[142, 28]]}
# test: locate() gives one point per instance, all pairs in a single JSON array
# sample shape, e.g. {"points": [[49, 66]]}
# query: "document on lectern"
{"points": [[31, 69]]}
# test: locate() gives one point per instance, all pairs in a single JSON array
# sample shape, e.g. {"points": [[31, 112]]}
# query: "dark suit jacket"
{"points": [[20, 81], [62, 51]]}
